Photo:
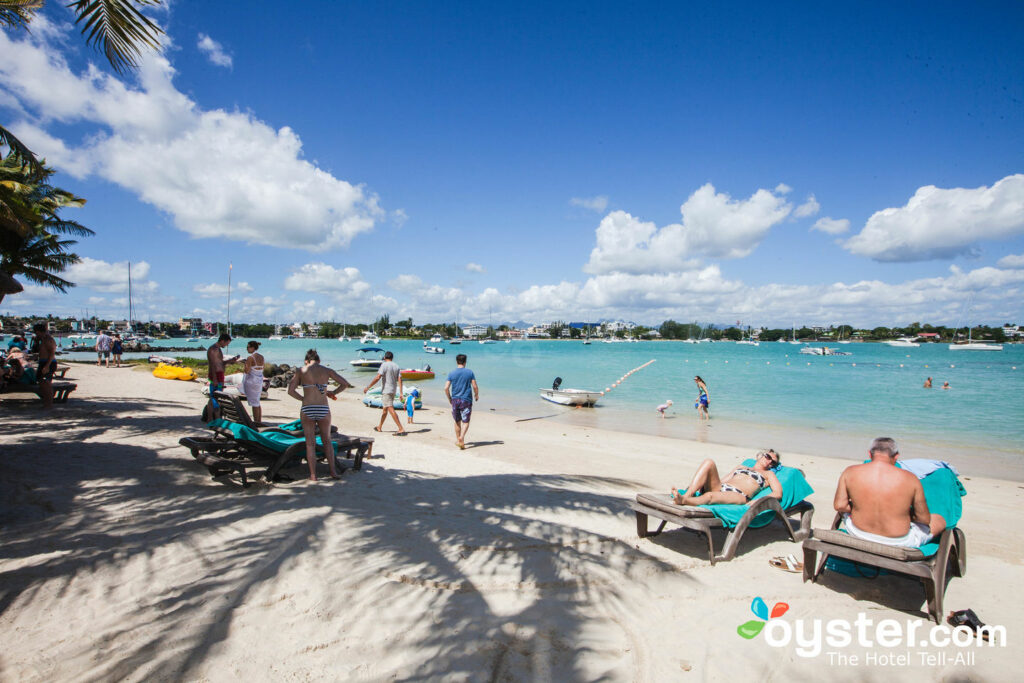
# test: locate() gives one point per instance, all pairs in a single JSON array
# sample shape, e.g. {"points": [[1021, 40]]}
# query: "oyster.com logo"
{"points": [[760, 610]]}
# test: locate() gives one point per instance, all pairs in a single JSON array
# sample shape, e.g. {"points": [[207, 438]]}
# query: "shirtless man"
{"points": [[885, 504], [47, 363], [215, 371]]}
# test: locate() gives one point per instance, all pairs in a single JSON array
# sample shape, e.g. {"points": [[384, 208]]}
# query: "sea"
{"points": [[760, 396]]}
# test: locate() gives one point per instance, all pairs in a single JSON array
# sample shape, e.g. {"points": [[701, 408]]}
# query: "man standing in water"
{"points": [[461, 390], [215, 372]]}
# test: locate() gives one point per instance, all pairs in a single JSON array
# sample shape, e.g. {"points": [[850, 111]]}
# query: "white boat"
{"points": [[195, 339], [586, 342], [344, 335], [432, 349], [975, 346], [368, 358], [971, 345], [488, 340], [903, 342], [369, 338], [748, 342], [436, 339], [571, 397], [455, 341], [822, 351]]}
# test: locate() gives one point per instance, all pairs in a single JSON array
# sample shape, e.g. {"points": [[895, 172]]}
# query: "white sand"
{"points": [[516, 559]]}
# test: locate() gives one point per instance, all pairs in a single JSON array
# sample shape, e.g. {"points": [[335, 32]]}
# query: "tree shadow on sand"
{"points": [[198, 559]]}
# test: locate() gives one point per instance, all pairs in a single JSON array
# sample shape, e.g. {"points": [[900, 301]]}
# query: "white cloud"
{"points": [[1011, 261], [213, 50], [598, 203], [475, 268], [103, 276], [713, 225], [832, 226], [219, 174], [783, 188], [320, 277], [214, 290], [942, 223], [399, 217], [808, 208]]}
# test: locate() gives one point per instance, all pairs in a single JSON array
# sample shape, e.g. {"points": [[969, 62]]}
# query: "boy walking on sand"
{"points": [[461, 390]]}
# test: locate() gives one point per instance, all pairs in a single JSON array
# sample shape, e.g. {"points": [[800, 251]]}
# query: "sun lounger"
{"points": [[61, 390], [930, 563], [237, 448], [759, 512], [231, 409]]}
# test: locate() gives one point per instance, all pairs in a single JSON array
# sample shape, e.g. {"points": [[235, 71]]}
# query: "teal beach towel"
{"points": [[275, 441], [794, 489]]}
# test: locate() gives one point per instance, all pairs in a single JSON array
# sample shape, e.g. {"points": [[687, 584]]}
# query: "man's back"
{"points": [[881, 497], [462, 387]]}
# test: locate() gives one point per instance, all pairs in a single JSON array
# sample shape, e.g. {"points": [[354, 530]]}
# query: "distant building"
{"points": [[473, 331], [190, 325]]}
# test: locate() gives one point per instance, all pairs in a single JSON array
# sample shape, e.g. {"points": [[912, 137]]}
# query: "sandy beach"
{"points": [[516, 559]]}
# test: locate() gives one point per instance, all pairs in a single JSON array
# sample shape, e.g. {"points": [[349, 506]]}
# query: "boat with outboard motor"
{"points": [[570, 397], [369, 358]]}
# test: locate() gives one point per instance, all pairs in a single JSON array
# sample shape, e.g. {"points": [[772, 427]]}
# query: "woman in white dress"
{"points": [[252, 383]]}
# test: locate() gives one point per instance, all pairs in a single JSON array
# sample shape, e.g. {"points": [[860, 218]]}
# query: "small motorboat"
{"points": [[411, 374], [369, 338], [369, 358], [822, 351], [488, 340], [432, 349], [455, 340], [570, 397], [903, 342], [436, 339]]}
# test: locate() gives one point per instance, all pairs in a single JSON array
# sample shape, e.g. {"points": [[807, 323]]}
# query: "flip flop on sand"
{"points": [[377, 429], [968, 619], [787, 564]]}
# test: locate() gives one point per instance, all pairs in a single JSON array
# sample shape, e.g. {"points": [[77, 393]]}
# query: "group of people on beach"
{"points": [[313, 379], [879, 501], [108, 346], [16, 367]]}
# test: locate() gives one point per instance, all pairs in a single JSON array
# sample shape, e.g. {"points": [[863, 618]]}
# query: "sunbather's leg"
{"points": [[325, 429], [937, 524], [706, 478], [309, 431], [714, 497]]}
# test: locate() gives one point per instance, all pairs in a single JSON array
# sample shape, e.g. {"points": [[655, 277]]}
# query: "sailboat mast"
{"points": [[131, 325], [230, 266]]}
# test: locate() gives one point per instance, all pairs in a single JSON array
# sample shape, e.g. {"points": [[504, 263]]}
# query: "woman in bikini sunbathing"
{"points": [[313, 379], [737, 487]]}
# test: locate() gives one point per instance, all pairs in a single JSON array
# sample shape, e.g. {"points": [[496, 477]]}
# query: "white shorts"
{"points": [[387, 400], [918, 535]]}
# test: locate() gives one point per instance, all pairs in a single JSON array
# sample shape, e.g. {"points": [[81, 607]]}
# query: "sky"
{"points": [[770, 163]]}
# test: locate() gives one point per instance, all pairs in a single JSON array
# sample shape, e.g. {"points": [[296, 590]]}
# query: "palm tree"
{"points": [[116, 27], [29, 245]]}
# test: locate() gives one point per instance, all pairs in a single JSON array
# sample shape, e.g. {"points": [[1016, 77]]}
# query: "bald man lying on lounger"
{"points": [[885, 504]]}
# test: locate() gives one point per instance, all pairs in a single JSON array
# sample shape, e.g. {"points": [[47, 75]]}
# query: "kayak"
{"points": [[164, 371], [166, 360], [409, 374]]}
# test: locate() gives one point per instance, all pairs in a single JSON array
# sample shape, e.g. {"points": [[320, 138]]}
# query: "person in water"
{"points": [[883, 503], [703, 400], [928, 383], [312, 378], [664, 406], [737, 487]]}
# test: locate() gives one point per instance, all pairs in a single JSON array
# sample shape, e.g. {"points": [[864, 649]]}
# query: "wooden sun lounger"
{"points": [[699, 520], [910, 561], [222, 453], [61, 390]]}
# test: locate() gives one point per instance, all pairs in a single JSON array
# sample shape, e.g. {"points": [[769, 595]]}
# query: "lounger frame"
{"points": [[232, 410], [931, 570], [61, 390], [700, 521]]}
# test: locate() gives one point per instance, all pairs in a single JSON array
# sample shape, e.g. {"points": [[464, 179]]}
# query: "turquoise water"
{"points": [[770, 394]]}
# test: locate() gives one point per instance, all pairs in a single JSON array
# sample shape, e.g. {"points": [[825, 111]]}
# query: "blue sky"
{"points": [[805, 162]]}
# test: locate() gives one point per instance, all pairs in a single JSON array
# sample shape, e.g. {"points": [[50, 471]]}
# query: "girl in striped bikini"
{"points": [[315, 413]]}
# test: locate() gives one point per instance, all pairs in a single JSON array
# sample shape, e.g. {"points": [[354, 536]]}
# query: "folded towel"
{"points": [[922, 467], [794, 489], [275, 441]]}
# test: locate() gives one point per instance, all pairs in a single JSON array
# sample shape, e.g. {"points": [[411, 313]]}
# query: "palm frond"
{"points": [[19, 150], [66, 227], [117, 28], [17, 14]]}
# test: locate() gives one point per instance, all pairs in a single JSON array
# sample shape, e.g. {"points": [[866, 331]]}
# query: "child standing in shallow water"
{"points": [[663, 407]]}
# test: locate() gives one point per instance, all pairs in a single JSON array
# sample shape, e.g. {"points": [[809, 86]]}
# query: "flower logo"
{"points": [[760, 610]]}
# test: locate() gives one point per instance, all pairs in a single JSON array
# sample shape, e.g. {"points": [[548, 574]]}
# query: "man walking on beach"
{"points": [[392, 384], [461, 390], [215, 372], [47, 362], [103, 344]]}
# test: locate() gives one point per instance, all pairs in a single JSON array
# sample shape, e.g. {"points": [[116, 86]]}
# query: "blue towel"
{"points": [[275, 441], [794, 489]]}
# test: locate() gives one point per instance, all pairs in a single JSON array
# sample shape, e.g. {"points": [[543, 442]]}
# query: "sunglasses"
{"points": [[768, 456]]}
